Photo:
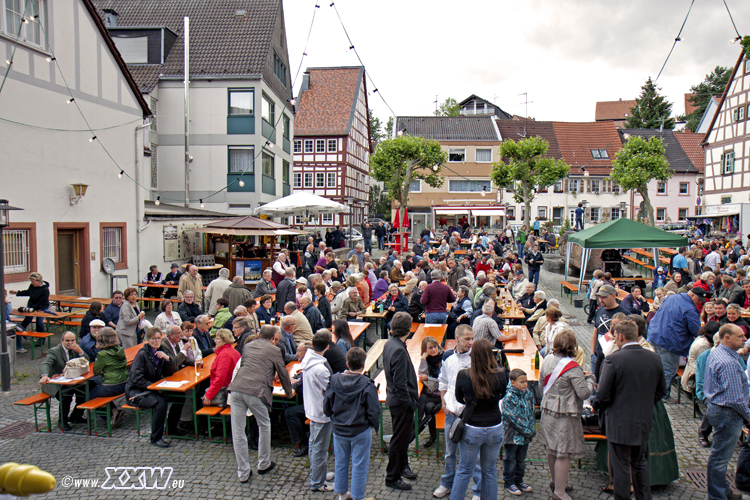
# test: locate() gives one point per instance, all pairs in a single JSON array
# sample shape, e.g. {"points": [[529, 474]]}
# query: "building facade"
{"points": [[332, 142]]}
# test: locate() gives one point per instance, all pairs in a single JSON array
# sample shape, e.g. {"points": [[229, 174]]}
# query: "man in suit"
{"points": [[178, 419], [632, 382], [172, 278], [265, 286], [286, 291], [205, 342], [54, 364], [402, 396]]}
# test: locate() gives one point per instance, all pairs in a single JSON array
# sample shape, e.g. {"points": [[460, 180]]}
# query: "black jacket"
{"points": [[324, 306], [175, 277], [415, 306], [205, 342], [351, 401], [336, 358], [534, 260], [144, 371], [367, 232], [38, 296], [286, 291], [313, 317], [188, 312], [380, 231], [632, 381], [401, 379]]}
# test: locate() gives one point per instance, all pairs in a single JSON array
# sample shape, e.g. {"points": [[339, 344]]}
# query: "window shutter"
{"points": [[606, 213], [587, 214], [588, 185], [565, 186]]}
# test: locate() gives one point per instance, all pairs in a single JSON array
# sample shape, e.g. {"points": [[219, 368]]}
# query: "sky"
{"points": [[565, 55]]}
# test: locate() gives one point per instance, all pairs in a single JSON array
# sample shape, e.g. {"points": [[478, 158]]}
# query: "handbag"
{"points": [[742, 476], [456, 431], [592, 421], [431, 386], [220, 399], [76, 367]]}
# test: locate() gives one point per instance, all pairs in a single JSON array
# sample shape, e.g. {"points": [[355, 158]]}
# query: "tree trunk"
{"points": [[643, 191], [527, 204], [404, 198]]}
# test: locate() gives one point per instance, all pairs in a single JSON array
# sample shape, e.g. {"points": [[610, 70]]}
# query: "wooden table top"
{"points": [[42, 314], [369, 313], [188, 375], [130, 353], [79, 300], [214, 267], [357, 328], [523, 361], [159, 285]]}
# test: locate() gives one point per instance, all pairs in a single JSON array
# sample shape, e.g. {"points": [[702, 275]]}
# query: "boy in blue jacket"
{"points": [[518, 417]]}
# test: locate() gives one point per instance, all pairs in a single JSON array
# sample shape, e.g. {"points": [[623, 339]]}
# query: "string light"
{"points": [[484, 190], [269, 144], [351, 47], [202, 204], [119, 176], [158, 201], [50, 59], [292, 101], [8, 62], [25, 21], [70, 100], [241, 183], [92, 139], [435, 167]]}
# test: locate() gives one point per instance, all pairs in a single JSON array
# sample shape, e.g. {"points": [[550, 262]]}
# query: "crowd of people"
{"points": [[300, 311]]}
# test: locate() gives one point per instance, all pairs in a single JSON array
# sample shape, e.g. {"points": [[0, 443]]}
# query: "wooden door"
{"points": [[68, 266]]}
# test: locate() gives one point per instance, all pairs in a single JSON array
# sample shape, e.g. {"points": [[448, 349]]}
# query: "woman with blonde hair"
{"points": [[554, 325], [429, 399]]}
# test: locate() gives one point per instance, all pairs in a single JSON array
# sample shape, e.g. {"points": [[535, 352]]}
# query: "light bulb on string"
{"points": [[484, 190], [119, 176], [435, 167], [241, 183], [8, 62], [92, 139], [158, 201], [202, 204], [50, 59], [71, 100]]}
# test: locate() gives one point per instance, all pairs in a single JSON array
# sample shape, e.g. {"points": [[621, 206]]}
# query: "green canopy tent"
{"points": [[619, 234]]}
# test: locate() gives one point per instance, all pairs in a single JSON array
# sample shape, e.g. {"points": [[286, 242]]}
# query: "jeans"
{"points": [[670, 362], [368, 245], [579, 223], [381, 242], [520, 249], [436, 318], [534, 276], [103, 391], [451, 448], [514, 464], [727, 424], [241, 402], [320, 436], [479, 445], [358, 449]]}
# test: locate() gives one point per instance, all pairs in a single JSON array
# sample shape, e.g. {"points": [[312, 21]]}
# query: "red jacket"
{"points": [[222, 369], [702, 284], [483, 267]]}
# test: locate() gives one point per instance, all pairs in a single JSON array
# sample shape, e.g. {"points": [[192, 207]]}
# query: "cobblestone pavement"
{"points": [[207, 470]]}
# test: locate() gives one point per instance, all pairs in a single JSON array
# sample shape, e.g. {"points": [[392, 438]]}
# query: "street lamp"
{"points": [[623, 206], [4, 355]]}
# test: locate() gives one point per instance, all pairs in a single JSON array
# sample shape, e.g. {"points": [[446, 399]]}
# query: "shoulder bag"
{"points": [[456, 431]]}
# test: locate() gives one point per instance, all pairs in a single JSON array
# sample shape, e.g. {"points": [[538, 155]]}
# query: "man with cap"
{"points": [[608, 307], [172, 278], [88, 342], [673, 328]]}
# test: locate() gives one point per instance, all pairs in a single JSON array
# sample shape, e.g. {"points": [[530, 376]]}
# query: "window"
{"points": [[594, 213], [599, 154], [327, 219], [542, 212], [484, 155], [154, 167], [573, 185], [684, 187], [269, 169], [739, 114], [596, 185], [298, 220], [297, 146], [331, 179], [558, 187], [297, 180], [615, 213], [19, 251], [727, 163], [269, 110], [241, 160], [308, 146], [113, 243], [279, 69], [511, 213], [415, 186], [682, 214], [747, 66], [615, 188], [285, 172], [287, 127], [308, 179], [463, 186], [726, 199], [241, 102], [698, 210], [14, 11], [320, 180], [661, 187], [661, 214], [457, 155], [320, 146], [332, 145]]}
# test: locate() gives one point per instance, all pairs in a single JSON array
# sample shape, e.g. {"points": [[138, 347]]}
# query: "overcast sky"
{"points": [[566, 54]]}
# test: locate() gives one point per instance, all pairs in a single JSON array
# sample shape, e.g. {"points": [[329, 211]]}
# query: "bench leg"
{"points": [[138, 422], [108, 416], [224, 428]]}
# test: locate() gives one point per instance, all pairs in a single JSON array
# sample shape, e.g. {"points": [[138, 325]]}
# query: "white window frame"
{"points": [[329, 176], [727, 163], [614, 213], [419, 183], [599, 154], [571, 183], [510, 212], [112, 244], [17, 251], [308, 177], [598, 184], [326, 220], [687, 188], [457, 151], [297, 146], [320, 180], [472, 182], [595, 215], [320, 145], [541, 212], [476, 155], [309, 146], [680, 218], [663, 218], [659, 185], [297, 179], [334, 143], [25, 28]]}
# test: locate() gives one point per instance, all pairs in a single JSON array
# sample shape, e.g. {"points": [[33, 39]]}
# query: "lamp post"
{"points": [[4, 355]]}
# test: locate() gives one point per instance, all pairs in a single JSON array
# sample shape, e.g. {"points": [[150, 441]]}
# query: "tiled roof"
{"points": [[614, 110], [517, 130], [576, 140], [449, 128], [327, 108], [676, 156], [691, 145], [222, 43]]}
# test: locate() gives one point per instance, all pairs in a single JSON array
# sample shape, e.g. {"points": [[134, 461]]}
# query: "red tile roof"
{"points": [[327, 108], [576, 140], [691, 144], [614, 110]]}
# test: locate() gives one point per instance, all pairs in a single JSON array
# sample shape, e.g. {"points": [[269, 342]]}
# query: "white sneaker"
{"points": [[476, 497], [330, 476], [441, 491]]}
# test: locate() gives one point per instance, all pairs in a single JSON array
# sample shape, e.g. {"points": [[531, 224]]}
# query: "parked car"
{"points": [[676, 228]]}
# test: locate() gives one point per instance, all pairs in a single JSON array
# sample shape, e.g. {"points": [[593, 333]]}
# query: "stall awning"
{"points": [[710, 216], [451, 211], [488, 212]]}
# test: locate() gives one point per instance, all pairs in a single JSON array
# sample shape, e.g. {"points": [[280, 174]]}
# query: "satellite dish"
{"points": [[108, 266]]}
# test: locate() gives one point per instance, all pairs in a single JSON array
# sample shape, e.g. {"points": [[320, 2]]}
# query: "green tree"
{"points": [[397, 162], [378, 205], [376, 128], [524, 168], [712, 85], [389, 128], [652, 110], [636, 164], [449, 108]]}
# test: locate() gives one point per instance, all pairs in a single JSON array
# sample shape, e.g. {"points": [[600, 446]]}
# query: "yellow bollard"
{"points": [[24, 480]]}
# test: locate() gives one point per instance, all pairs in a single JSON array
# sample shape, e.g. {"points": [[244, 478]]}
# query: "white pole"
{"points": [[186, 38]]}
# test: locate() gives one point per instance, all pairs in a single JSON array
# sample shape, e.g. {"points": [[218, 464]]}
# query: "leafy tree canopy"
{"points": [[376, 128], [449, 108], [713, 85], [651, 109]]}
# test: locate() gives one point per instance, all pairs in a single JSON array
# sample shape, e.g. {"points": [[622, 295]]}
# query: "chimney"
{"points": [[110, 18], [305, 81]]}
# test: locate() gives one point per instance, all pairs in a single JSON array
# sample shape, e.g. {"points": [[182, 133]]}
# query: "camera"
{"points": [[26, 309]]}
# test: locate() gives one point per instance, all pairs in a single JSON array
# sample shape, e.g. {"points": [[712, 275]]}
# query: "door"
{"points": [[418, 223], [68, 268]]}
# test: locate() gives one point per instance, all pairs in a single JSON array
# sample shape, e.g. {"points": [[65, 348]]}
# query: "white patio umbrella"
{"points": [[301, 203]]}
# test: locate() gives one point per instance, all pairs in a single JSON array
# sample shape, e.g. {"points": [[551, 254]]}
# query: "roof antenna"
{"points": [[526, 102]]}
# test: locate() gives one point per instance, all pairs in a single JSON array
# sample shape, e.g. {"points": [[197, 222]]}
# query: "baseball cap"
{"points": [[700, 292], [97, 322], [606, 291], [519, 271], [174, 264]]}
